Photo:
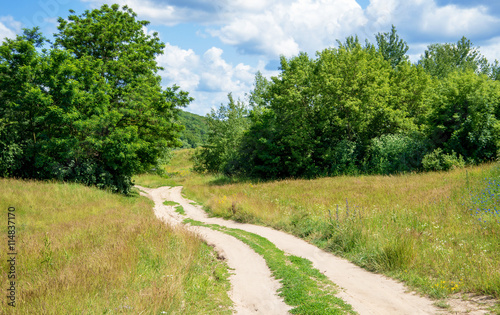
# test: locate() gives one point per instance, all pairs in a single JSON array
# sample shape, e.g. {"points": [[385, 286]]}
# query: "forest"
{"points": [[361, 108]]}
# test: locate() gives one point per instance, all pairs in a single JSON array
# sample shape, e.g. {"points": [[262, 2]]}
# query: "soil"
{"points": [[253, 290]]}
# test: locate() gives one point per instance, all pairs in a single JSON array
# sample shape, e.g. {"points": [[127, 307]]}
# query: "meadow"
{"points": [[439, 232], [85, 250]]}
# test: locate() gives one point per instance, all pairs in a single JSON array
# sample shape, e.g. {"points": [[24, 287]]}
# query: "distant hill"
{"points": [[196, 130]]}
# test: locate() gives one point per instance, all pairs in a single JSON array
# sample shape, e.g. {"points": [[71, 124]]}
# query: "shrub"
{"points": [[437, 160], [342, 158], [395, 153]]}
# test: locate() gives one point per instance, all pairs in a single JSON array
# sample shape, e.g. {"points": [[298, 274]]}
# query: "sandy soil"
{"points": [[253, 288]]}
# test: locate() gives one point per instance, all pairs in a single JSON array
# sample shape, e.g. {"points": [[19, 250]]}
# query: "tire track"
{"points": [[367, 292], [253, 289]]}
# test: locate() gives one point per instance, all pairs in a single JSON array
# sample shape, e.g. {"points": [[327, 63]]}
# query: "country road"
{"points": [[253, 288]]}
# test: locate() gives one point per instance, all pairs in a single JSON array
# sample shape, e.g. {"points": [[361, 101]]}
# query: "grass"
{"points": [[84, 250], [152, 180], [303, 287], [178, 208], [418, 228], [170, 203]]}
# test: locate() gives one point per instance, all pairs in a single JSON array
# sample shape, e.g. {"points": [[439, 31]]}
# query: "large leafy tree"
{"points": [[226, 126], [91, 109], [392, 47], [363, 108], [440, 60], [465, 117], [22, 102], [318, 116]]}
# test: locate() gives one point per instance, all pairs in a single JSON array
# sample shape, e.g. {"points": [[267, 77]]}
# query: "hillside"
{"points": [[196, 130]]}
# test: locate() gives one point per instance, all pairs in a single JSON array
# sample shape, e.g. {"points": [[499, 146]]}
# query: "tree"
{"points": [[196, 129], [22, 100], [465, 118], [392, 47], [226, 127], [440, 60], [257, 97], [91, 109], [318, 116]]}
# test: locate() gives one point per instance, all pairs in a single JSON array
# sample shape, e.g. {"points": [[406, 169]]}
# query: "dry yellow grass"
{"points": [[83, 250], [415, 227]]}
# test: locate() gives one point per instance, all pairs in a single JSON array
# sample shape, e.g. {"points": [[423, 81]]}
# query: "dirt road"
{"points": [[253, 288]]}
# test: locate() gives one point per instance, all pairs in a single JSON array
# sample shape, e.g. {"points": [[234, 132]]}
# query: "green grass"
{"points": [[417, 228], [84, 250], [180, 210], [170, 203], [153, 180], [303, 287]]}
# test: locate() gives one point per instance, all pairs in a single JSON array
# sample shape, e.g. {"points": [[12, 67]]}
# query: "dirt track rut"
{"points": [[253, 288]]}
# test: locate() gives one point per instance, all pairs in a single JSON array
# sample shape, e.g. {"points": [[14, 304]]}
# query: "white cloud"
{"points": [[491, 49], [425, 19], [269, 28], [453, 21], [9, 27], [286, 27], [258, 33], [179, 67], [208, 78]]}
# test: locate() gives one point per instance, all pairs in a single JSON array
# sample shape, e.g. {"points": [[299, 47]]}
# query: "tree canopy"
{"points": [[364, 109], [90, 108]]}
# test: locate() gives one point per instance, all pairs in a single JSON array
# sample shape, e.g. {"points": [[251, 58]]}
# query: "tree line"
{"points": [[89, 106], [361, 108]]}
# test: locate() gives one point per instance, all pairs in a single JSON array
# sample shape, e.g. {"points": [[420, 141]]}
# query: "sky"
{"points": [[215, 47]]}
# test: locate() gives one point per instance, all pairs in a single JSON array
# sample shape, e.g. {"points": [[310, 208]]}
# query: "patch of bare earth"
{"points": [[254, 291], [469, 304]]}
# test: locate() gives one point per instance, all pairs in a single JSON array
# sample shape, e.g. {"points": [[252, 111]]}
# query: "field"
{"points": [[438, 232], [84, 250]]}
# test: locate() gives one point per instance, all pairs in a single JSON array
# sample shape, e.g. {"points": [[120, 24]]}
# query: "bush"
{"points": [[437, 160], [395, 153], [342, 158]]}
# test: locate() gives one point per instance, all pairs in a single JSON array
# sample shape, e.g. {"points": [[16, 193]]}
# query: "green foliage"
{"points": [[365, 109], [195, 133], [465, 116], [342, 158], [395, 153], [319, 116], [437, 160], [91, 109], [226, 127], [440, 60], [392, 47]]}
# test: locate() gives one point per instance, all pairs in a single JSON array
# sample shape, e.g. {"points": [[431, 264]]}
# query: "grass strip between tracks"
{"points": [[303, 287]]}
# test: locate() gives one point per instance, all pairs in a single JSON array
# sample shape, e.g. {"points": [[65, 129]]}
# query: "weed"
{"points": [[442, 304]]}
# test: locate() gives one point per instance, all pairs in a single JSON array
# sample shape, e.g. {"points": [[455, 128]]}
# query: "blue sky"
{"points": [[214, 47]]}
